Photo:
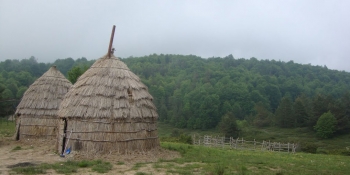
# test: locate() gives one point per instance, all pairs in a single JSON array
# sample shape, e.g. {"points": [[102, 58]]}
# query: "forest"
{"points": [[196, 93]]}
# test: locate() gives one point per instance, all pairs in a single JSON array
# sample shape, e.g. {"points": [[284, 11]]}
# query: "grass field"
{"points": [[205, 160], [7, 128], [305, 137], [213, 161]]}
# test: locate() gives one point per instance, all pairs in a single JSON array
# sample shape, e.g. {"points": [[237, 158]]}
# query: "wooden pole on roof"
{"points": [[111, 42]]}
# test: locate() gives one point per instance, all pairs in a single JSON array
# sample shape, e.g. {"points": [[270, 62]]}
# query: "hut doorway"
{"points": [[62, 134], [18, 126]]}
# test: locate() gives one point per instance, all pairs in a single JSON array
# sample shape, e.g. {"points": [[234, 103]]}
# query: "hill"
{"points": [[195, 93]]}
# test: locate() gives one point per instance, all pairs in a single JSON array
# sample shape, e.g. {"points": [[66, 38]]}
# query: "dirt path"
{"points": [[37, 152]]}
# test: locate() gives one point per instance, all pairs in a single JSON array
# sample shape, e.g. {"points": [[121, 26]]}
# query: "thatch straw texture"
{"points": [[37, 112], [109, 109]]}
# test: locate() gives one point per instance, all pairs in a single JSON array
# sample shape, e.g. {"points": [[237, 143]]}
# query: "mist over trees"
{"points": [[196, 93]]}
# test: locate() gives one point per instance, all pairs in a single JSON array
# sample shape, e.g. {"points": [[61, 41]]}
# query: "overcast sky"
{"points": [[305, 31]]}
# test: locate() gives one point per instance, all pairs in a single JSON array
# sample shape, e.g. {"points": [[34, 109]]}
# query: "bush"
{"points": [[228, 125], [309, 147], [182, 138], [185, 139], [326, 125]]}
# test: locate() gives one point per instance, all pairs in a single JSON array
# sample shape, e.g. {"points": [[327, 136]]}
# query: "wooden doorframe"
{"points": [[18, 127], [62, 134]]}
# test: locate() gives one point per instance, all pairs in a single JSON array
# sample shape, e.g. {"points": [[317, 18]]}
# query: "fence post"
{"points": [[218, 141], [223, 142], [279, 149]]}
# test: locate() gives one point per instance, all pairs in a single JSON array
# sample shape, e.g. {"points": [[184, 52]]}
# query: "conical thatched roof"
{"points": [[108, 90], [44, 96]]}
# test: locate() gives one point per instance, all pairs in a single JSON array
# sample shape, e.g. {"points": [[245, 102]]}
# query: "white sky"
{"points": [[305, 31]]}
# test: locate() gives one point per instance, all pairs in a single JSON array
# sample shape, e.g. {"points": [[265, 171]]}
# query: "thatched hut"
{"points": [[36, 114], [108, 110]]}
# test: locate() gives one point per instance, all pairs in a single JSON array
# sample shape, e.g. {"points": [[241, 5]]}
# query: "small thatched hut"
{"points": [[108, 110], [36, 113]]}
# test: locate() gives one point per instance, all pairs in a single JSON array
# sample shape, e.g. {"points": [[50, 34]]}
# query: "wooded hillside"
{"points": [[192, 92]]}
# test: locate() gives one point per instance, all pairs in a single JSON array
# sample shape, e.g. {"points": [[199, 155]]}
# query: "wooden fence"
{"points": [[240, 143]]}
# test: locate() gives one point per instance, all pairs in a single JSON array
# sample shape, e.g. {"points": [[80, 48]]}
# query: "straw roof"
{"points": [[44, 96], [108, 89]]}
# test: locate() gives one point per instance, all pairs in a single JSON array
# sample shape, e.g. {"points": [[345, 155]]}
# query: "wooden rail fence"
{"points": [[240, 143]]}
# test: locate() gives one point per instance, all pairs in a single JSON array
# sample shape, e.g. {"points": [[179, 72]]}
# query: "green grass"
{"points": [[68, 167], [204, 160], [141, 173], [16, 148], [217, 161], [120, 163], [304, 137], [7, 128], [101, 167], [138, 165], [29, 170]]}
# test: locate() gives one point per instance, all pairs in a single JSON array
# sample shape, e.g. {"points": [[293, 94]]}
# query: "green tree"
{"points": [[326, 125], [7, 94], [300, 113], [237, 111], [64, 65], [12, 85], [320, 105], [2, 105], [24, 78], [75, 73], [262, 117], [226, 107], [344, 119], [228, 125], [274, 95], [284, 113], [21, 91]]}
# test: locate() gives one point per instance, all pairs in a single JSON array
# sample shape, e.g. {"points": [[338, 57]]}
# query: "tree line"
{"points": [[17, 75], [196, 93]]}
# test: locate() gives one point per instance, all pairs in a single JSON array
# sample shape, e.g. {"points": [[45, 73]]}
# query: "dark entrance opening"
{"points": [[64, 136]]}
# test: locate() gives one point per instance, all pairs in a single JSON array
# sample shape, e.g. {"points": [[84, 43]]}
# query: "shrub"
{"points": [[185, 139], [326, 125], [228, 125], [309, 147]]}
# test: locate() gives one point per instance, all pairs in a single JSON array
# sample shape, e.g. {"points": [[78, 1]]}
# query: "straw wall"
{"points": [[44, 127], [109, 110], [37, 112], [104, 136]]}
